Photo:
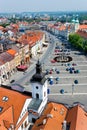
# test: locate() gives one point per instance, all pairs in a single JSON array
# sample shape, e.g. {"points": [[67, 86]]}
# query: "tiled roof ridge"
{"points": [[77, 108]]}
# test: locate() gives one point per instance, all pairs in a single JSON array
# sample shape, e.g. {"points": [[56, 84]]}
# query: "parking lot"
{"points": [[66, 79]]}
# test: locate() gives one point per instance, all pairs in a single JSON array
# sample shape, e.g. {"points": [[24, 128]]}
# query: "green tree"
{"points": [[78, 42]]}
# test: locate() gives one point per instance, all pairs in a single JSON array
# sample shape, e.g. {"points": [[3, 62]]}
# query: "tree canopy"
{"points": [[78, 42]]}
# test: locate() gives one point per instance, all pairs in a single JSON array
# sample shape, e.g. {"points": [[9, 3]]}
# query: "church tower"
{"points": [[39, 84], [75, 23]]}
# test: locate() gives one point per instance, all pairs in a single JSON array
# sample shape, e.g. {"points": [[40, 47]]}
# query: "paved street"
{"points": [[69, 100]]}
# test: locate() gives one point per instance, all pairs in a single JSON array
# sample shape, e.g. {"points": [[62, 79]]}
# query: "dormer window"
{"points": [[1, 108], [5, 98]]}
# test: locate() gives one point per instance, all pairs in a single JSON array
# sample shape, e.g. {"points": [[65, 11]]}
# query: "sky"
{"points": [[42, 5]]}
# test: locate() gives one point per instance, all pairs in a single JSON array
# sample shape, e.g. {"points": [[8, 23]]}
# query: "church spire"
{"points": [[38, 67], [39, 76]]}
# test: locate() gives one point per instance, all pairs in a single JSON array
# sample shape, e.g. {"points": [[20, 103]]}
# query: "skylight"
{"points": [[5, 98], [1, 109]]}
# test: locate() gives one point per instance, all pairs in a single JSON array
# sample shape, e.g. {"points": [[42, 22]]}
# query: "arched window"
{"points": [[37, 95]]}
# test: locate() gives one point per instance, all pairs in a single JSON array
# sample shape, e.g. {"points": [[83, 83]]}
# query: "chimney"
{"points": [[64, 126]]}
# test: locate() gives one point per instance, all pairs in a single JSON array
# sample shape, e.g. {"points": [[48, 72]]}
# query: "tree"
{"points": [[78, 42]]}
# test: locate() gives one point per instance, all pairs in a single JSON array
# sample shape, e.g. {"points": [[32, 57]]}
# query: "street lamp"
{"points": [[72, 89], [43, 66]]}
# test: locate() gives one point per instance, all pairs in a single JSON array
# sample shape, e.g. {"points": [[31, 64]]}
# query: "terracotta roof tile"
{"points": [[5, 57], [1, 28], [77, 118], [6, 118], [15, 100], [83, 26], [12, 52], [54, 115], [82, 33], [31, 37]]}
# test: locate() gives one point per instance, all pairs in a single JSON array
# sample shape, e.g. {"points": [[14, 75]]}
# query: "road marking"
{"points": [[68, 84], [66, 94]]}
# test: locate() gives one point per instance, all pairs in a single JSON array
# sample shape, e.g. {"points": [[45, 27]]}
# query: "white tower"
{"points": [[75, 23], [39, 84]]}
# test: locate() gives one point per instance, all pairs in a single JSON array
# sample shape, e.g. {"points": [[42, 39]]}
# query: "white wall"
{"points": [[41, 89], [24, 109]]}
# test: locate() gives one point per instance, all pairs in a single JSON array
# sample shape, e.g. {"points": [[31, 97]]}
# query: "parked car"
{"points": [[76, 81], [53, 61], [62, 91], [57, 79], [73, 64], [22, 67], [12, 81]]}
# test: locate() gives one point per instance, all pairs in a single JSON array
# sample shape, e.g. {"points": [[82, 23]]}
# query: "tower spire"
{"points": [[38, 67], [39, 76]]}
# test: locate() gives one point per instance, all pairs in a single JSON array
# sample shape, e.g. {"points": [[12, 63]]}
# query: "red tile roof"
{"points": [[1, 62], [53, 116], [5, 57], [12, 52], [62, 27], [1, 28], [83, 26], [77, 118], [31, 37], [6, 118], [12, 107], [82, 33]]}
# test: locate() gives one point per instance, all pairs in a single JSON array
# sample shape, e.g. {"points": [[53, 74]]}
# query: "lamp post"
{"points": [[72, 89], [43, 66]]}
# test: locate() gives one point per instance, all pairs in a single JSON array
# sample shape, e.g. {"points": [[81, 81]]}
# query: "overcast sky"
{"points": [[42, 5]]}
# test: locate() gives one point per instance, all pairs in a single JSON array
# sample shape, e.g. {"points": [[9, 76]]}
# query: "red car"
{"points": [[22, 67], [53, 61], [50, 72]]}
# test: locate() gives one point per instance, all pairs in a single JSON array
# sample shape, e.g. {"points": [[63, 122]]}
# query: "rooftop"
{"points": [[5, 57], [52, 117], [77, 118], [12, 52], [13, 100]]}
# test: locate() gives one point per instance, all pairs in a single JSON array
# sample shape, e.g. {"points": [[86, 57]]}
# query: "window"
{"points": [[36, 87], [5, 98], [33, 120], [1, 108], [22, 126], [25, 124], [44, 94], [37, 95]]}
